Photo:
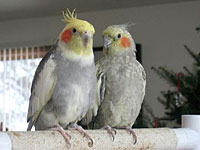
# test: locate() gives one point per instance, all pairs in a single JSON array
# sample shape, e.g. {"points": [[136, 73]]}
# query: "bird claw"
{"points": [[113, 138], [115, 131], [90, 144], [81, 130], [133, 134], [66, 136], [110, 131]]}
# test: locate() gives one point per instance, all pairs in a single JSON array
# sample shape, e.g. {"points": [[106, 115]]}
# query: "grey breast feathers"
{"points": [[100, 91]]}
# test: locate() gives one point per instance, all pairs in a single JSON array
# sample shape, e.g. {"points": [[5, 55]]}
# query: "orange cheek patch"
{"points": [[125, 42], [66, 36]]}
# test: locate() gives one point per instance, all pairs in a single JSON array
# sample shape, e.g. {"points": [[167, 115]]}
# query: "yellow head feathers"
{"points": [[77, 36], [114, 30], [117, 39], [69, 16], [71, 19]]}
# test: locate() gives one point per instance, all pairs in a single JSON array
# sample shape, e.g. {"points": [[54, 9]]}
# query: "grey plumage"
{"points": [[121, 92], [62, 91], [125, 85]]}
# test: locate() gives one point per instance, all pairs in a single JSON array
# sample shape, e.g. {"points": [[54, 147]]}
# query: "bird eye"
{"points": [[119, 36], [74, 30]]}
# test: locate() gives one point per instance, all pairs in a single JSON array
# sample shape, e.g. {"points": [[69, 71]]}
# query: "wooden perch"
{"points": [[151, 139], [184, 138]]}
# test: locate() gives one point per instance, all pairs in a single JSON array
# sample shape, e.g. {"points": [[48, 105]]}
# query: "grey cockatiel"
{"points": [[121, 82], [64, 85]]}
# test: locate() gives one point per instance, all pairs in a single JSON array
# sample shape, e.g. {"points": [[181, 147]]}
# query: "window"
{"points": [[17, 68]]}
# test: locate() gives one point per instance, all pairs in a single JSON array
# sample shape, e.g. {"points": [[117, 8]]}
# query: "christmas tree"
{"points": [[185, 98]]}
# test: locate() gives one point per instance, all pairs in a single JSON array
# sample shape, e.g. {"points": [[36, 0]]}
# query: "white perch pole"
{"points": [[192, 122], [186, 138], [151, 139], [148, 139]]}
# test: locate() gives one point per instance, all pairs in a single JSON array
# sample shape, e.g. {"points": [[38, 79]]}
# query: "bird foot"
{"points": [[131, 131], [82, 131], [111, 131], [66, 135]]}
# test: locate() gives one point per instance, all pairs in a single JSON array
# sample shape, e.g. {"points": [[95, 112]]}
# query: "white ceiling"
{"points": [[17, 9]]}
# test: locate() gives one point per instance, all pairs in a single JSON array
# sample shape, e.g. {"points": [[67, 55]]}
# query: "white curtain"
{"points": [[17, 68]]}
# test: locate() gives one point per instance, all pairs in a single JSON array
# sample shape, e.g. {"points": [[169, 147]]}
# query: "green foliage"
{"points": [[190, 89]]}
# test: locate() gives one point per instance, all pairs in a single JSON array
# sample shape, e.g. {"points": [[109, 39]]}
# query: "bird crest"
{"points": [[73, 22], [69, 16]]}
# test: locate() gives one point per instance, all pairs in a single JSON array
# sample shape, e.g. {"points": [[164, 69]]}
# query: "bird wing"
{"points": [[42, 87], [101, 80], [143, 75]]}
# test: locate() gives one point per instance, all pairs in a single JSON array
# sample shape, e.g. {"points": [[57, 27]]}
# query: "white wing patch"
{"points": [[43, 89]]}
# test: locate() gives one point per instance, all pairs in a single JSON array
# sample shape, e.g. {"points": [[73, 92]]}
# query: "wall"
{"points": [[161, 29]]}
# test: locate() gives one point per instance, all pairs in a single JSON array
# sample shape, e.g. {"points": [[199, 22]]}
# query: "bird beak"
{"points": [[107, 41], [86, 37]]}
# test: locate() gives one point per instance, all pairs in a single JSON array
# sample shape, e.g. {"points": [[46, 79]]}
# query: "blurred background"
{"points": [[28, 28]]}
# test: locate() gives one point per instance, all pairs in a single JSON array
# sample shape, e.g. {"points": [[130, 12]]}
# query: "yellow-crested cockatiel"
{"points": [[121, 83], [64, 85]]}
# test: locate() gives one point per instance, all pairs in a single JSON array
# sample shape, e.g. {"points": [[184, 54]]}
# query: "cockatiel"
{"points": [[121, 83], [64, 85]]}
